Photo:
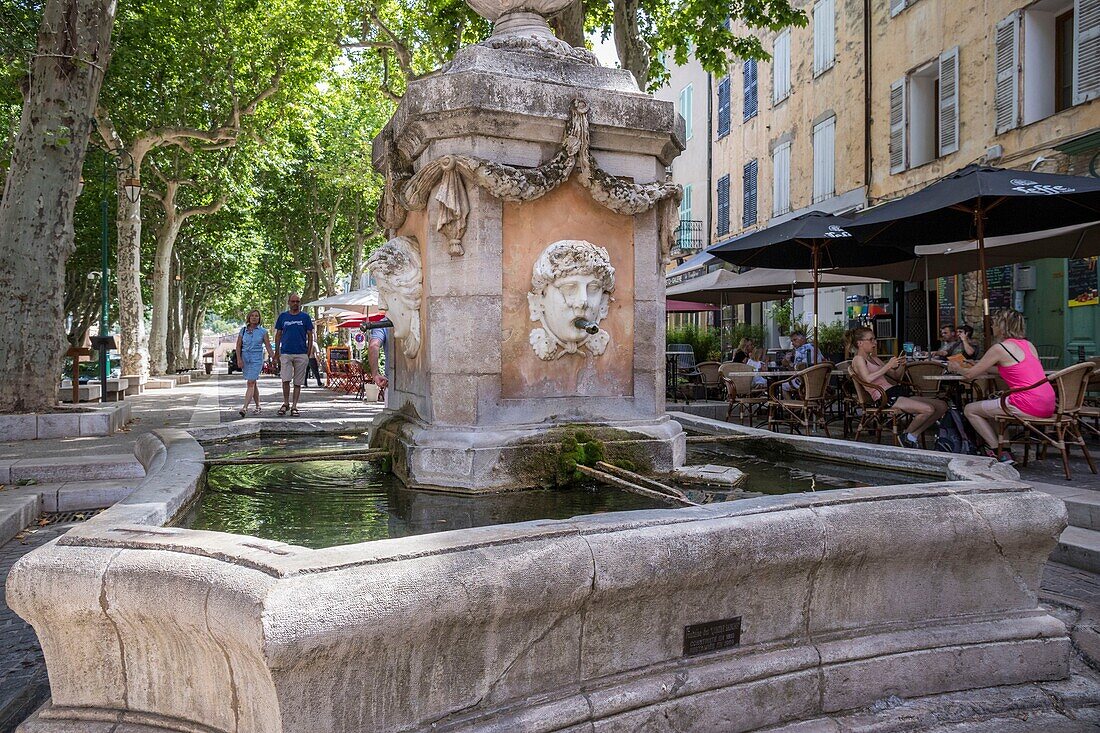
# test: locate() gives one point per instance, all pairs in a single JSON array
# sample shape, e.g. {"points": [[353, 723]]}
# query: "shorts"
{"points": [[992, 408], [292, 368], [893, 394]]}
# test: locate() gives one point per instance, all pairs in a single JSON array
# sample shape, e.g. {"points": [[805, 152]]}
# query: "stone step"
{"points": [[1080, 548], [18, 509], [1083, 505], [75, 468]]}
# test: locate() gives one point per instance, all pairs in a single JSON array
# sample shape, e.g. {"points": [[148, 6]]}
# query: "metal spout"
{"points": [[380, 323], [585, 325]]}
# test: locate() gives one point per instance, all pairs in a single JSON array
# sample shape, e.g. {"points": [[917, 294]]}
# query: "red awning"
{"points": [[684, 306]]}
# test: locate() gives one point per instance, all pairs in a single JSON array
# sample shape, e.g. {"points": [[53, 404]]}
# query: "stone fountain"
{"points": [[531, 218]]}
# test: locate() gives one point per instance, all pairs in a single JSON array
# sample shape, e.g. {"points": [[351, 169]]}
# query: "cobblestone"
{"points": [[23, 683]]}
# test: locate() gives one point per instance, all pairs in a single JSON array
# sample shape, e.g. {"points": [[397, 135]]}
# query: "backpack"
{"points": [[953, 434]]}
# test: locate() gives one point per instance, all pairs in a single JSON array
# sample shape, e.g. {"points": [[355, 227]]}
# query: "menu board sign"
{"points": [[946, 297], [1000, 287], [1081, 282], [335, 354]]}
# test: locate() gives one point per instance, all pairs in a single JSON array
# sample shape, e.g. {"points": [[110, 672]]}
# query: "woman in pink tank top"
{"points": [[1018, 364]]}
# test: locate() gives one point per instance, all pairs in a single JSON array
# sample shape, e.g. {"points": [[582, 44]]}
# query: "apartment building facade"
{"points": [[874, 99]]}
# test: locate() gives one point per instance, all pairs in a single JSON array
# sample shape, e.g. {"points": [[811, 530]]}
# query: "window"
{"points": [[685, 109], [781, 179], [824, 159], [724, 107], [924, 113], [723, 223], [1047, 59], [685, 204], [781, 67], [750, 89], [824, 36], [896, 6], [748, 218]]}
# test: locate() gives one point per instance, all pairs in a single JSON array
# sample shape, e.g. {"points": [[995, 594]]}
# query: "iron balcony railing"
{"points": [[688, 238]]}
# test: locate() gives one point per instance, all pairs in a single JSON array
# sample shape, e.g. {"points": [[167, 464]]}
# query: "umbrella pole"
{"points": [[987, 324], [927, 310], [817, 264]]}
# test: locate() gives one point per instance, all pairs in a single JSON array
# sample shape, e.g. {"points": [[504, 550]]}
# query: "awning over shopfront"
{"points": [[683, 306]]}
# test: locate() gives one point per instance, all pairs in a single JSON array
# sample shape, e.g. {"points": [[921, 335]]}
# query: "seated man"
{"points": [[803, 354], [950, 345]]}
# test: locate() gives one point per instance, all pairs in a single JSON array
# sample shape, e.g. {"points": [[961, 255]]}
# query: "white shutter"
{"points": [[781, 67], [896, 6], [898, 158], [949, 101], [824, 159], [1006, 89], [1086, 50], [781, 179], [824, 35]]}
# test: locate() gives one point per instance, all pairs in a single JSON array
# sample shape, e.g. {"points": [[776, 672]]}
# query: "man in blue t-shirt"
{"points": [[293, 349], [376, 343]]}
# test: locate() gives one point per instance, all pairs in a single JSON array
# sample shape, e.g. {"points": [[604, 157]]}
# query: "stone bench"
{"points": [[135, 384], [179, 379], [159, 383], [116, 389], [88, 392]]}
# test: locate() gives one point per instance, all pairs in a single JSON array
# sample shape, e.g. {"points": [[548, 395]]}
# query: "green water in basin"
{"points": [[326, 503]]}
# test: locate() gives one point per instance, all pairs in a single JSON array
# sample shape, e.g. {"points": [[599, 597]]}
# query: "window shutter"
{"points": [[750, 88], [781, 179], [1006, 89], [824, 35], [896, 6], [724, 205], [749, 187], [824, 160], [724, 107], [685, 203], [1086, 50], [686, 104], [781, 67], [949, 101], [897, 126]]}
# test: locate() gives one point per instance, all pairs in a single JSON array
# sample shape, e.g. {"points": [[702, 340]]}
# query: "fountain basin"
{"points": [[725, 617]]}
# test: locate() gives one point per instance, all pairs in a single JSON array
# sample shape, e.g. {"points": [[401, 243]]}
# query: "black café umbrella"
{"points": [[976, 202], [812, 241]]}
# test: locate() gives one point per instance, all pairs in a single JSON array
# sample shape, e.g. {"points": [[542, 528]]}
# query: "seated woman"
{"points": [[1018, 364], [883, 379], [756, 361], [744, 349]]}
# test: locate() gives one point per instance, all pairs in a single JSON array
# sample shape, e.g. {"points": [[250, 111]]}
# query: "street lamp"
{"points": [[123, 162]]}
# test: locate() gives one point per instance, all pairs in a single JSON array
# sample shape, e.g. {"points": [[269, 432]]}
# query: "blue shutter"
{"points": [[749, 217], [750, 89], [724, 107], [724, 204]]}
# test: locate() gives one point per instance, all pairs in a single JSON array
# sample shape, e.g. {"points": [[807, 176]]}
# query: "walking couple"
{"points": [[293, 350]]}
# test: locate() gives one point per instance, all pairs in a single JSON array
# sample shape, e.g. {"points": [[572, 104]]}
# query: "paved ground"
{"points": [[1074, 594]]}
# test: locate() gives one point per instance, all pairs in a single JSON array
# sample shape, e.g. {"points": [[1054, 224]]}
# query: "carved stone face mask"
{"points": [[398, 275], [571, 280]]}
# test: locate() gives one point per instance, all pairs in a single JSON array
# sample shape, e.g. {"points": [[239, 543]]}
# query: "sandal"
{"points": [[294, 412], [282, 410], [242, 413], [255, 411]]}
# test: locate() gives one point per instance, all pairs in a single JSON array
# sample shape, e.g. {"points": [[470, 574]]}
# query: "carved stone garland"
{"points": [[410, 192]]}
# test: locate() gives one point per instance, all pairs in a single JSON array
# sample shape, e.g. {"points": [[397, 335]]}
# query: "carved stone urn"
{"points": [[533, 182]]}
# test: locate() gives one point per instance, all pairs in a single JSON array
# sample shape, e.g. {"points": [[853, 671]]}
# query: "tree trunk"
{"points": [[131, 308], [172, 336], [36, 211], [568, 25], [629, 44], [357, 252], [162, 271]]}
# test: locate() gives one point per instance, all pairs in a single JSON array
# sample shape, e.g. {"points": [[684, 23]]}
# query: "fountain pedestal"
{"points": [[519, 145]]}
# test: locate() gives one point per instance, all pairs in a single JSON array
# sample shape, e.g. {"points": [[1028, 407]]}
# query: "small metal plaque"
{"points": [[712, 636]]}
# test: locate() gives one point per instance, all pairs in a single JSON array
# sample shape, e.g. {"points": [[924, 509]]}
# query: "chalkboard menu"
{"points": [[335, 354], [1000, 287], [946, 297], [1081, 282]]}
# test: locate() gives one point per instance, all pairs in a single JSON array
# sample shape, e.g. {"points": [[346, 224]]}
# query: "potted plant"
{"points": [[830, 337]]}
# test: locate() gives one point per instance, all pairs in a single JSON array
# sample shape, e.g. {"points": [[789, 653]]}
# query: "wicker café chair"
{"points": [[874, 414], [917, 376], [1061, 429], [741, 394], [711, 378], [1090, 410], [805, 402]]}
